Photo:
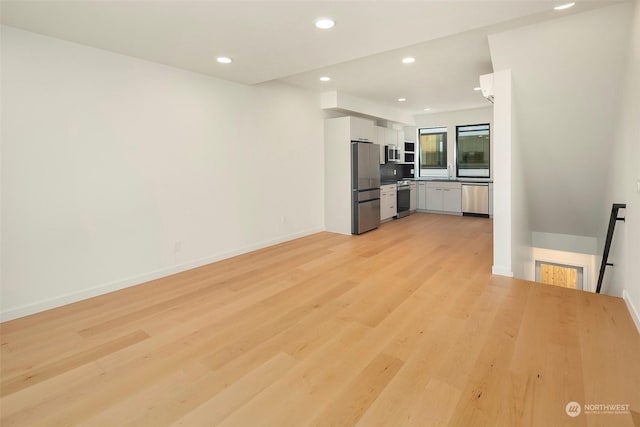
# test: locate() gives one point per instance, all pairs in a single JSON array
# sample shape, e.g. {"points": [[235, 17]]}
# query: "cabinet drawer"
{"points": [[450, 185], [439, 184]]}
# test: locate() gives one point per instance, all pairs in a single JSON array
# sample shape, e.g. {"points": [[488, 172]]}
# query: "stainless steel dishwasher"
{"points": [[475, 199]]}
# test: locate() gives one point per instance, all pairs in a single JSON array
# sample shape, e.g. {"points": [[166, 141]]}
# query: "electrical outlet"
{"points": [[284, 219], [638, 186], [177, 246]]}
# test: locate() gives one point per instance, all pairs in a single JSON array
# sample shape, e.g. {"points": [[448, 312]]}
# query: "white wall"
{"points": [[116, 170], [450, 120], [623, 185], [565, 242], [567, 86]]}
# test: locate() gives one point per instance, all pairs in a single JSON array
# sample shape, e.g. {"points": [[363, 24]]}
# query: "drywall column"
{"points": [[502, 173], [624, 185]]}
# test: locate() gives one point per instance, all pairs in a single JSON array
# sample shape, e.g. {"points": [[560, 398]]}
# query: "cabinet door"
{"points": [[388, 205], [491, 200], [393, 204], [452, 200], [384, 205], [422, 196], [434, 199], [379, 132], [361, 130], [410, 134], [412, 199], [390, 136]]}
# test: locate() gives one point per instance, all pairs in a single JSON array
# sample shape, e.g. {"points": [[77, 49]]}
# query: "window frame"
{"points": [[457, 152], [438, 130]]}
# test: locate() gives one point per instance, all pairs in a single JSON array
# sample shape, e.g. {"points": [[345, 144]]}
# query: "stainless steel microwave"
{"points": [[391, 154]]}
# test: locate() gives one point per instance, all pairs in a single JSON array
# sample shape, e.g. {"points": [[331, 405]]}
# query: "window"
{"points": [[433, 150], [473, 151]]}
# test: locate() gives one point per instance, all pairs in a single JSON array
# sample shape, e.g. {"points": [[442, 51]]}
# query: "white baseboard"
{"points": [[632, 310], [501, 271], [36, 307]]}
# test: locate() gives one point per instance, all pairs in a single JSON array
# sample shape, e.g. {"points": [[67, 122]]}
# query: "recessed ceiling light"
{"points": [[564, 6], [325, 23], [224, 59], [325, 79], [427, 109], [402, 99], [477, 88], [408, 60]]}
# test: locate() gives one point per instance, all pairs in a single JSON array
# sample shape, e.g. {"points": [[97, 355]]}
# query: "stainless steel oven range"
{"points": [[404, 198]]}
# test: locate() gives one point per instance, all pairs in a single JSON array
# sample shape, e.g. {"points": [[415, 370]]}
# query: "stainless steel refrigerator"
{"points": [[365, 187]]}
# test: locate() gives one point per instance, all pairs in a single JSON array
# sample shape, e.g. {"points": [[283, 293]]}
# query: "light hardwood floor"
{"points": [[401, 326]]}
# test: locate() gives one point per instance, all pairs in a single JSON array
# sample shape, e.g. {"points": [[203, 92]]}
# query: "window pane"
{"points": [[433, 150], [473, 150]]}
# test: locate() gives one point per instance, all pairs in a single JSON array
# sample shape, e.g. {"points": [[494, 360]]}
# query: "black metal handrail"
{"points": [[607, 245]]}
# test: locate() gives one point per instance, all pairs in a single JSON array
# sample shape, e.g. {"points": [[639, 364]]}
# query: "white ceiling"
{"points": [[271, 40]]}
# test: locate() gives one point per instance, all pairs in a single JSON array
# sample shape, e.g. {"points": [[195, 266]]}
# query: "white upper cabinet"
{"points": [[380, 135], [390, 136], [379, 139], [409, 134], [361, 130]]}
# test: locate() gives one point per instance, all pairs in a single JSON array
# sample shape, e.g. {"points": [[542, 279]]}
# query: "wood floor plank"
{"points": [[58, 367], [402, 326], [216, 409], [348, 406], [480, 400]]}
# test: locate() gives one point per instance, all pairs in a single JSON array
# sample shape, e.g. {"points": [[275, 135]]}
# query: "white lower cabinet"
{"points": [[491, 200], [413, 196], [452, 200], [443, 197], [388, 201], [422, 196], [434, 199]]}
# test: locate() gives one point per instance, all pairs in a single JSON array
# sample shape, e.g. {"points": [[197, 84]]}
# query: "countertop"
{"points": [[468, 180], [461, 180]]}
